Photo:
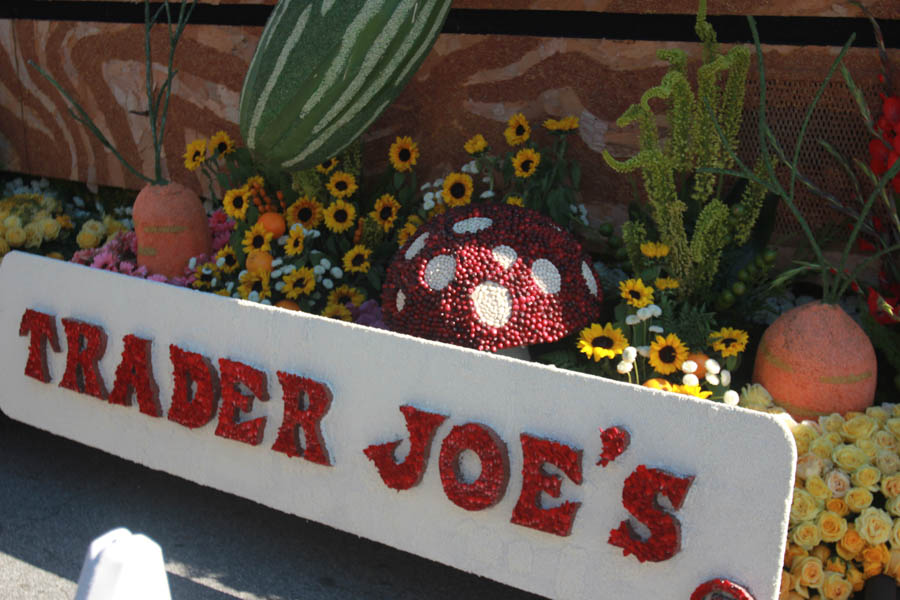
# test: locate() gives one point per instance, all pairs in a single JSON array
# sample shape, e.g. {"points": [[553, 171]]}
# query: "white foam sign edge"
{"points": [[733, 519]]}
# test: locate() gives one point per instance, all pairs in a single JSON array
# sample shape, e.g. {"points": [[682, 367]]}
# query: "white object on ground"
{"points": [[120, 565]]}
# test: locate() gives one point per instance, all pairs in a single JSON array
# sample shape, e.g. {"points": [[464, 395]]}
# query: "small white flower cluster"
{"points": [[432, 198], [326, 273], [629, 354], [580, 212], [715, 375], [17, 186]]}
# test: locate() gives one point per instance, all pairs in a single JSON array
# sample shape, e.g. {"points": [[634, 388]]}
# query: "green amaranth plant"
{"points": [[685, 193]]}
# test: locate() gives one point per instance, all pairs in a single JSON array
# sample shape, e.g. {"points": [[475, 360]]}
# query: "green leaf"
{"points": [[399, 178], [575, 175], [374, 279]]}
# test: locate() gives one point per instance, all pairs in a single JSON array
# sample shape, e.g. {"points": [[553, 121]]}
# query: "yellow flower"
{"points": [[803, 506], [601, 341], [255, 182], [835, 587], [226, 260], [515, 201], [806, 535], [893, 425], [878, 413], [635, 293], [804, 434], [294, 244], [457, 190], [340, 216], [667, 354], [835, 564], [860, 427], [849, 457], [885, 440], [666, 283], [517, 130], [867, 477], [728, 341], [203, 276], [821, 447], [856, 578], [832, 526], [236, 203], [254, 281], [409, 228], [569, 123], [356, 260], [33, 235], [526, 162], [476, 144], [887, 462], [257, 238], [893, 506], [793, 552], [816, 486], [345, 294], [113, 226], [195, 155], [837, 506], [386, 210], [326, 167], [403, 154], [654, 250], [810, 571], [851, 544], [221, 144], [691, 390], [65, 221], [895, 538], [305, 211], [890, 485], [858, 499], [341, 184], [832, 422], [299, 282], [873, 525], [84, 239], [337, 311], [50, 228]]}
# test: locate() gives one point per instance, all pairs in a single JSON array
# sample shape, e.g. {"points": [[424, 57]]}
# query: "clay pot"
{"points": [[171, 227], [815, 360]]}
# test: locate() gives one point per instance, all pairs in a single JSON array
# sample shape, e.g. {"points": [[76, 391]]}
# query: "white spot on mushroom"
{"points": [[546, 276], [439, 271], [472, 225], [505, 256], [493, 304], [401, 300], [589, 277], [416, 246]]}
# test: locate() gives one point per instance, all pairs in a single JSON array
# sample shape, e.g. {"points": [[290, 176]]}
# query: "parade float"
{"points": [[494, 365]]}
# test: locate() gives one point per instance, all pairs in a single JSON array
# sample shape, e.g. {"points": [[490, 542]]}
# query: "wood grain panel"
{"points": [[13, 148]]}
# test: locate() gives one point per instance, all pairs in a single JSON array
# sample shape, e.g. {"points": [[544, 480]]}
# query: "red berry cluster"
{"points": [[881, 156]]}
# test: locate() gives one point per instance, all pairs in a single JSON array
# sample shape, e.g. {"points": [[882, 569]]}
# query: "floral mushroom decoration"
{"points": [[490, 276]]}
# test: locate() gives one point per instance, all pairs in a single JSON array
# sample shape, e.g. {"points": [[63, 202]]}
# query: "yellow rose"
{"points": [[95, 227], [113, 226], [50, 228], [851, 544], [12, 222], [878, 554], [822, 447], [890, 486], [858, 499], [832, 422], [849, 457], [887, 462], [836, 564], [806, 535], [786, 581], [873, 525], [832, 527], [837, 506], [867, 477], [810, 464], [803, 506], [892, 425], [804, 433], [838, 482], [893, 567], [87, 239], [893, 506], [822, 552], [878, 413], [836, 587], [792, 552], [894, 540], [871, 569], [816, 486], [885, 440], [868, 447], [834, 437], [56, 255], [15, 236], [860, 427], [809, 571], [856, 579], [33, 235]]}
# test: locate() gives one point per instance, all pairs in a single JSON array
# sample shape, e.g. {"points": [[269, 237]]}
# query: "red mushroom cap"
{"points": [[490, 276]]}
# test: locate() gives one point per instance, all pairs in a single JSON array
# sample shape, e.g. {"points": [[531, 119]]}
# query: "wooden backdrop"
{"points": [[468, 84]]}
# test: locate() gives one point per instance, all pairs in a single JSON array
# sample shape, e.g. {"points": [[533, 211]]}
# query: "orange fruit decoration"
{"points": [[171, 227], [658, 383], [259, 261], [700, 358], [288, 304], [815, 360], [273, 222]]}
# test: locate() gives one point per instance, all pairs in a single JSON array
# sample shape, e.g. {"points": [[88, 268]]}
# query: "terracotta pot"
{"points": [[815, 360], [171, 227]]}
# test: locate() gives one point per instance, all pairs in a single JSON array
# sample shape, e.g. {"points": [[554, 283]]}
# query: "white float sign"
{"points": [[566, 485]]}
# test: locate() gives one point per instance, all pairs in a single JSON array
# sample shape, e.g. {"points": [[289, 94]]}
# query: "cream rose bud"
{"points": [[888, 462], [835, 587], [867, 477], [860, 427], [834, 437], [804, 506], [867, 446], [832, 422], [832, 526], [893, 506], [822, 447], [807, 536], [885, 440], [810, 571], [816, 486], [890, 486], [804, 433], [847, 456], [893, 424], [838, 482], [810, 464], [874, 526], [858, 499], [879, 413]]}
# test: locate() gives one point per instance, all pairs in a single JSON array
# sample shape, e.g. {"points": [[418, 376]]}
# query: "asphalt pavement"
{"points": [[56, 496]]}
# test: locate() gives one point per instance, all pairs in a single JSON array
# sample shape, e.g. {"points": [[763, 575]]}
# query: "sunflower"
{"points": [[221, 144], [526, 162], [385, 213], [569, 123], [305, 211], [254, 281], [326, 167], [666, 283], [195, 155], [339, 216], [728, 341], [203, 276], [345, 294], [299, 282], [457, 189], [228, 259], [517, 130], [515, 201], [257, 238], [601, 341], [294, 244], [255, 182], [341, 184], [691, 390], [654, 250], [356, 260], [403, 154], [476, 144], [409, 228], [667, 354], [237, 202], [636, 293], [337, 311]]}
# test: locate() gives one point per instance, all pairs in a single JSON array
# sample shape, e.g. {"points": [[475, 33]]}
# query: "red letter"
{"points": [[42, 328], [639, 498], [488, 489], [86, 345], [528, 510], [720, 588], [135, 374], [317, 401], [191, 368], [233, 401], [421, 426]]}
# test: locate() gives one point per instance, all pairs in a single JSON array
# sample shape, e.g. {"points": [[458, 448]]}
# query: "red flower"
{"points": [[878, 311], [891, 109], [865, 245]]}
